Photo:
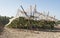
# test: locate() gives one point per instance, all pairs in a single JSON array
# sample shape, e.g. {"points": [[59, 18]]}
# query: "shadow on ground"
{"points": [[43, 30], [1, 29]]}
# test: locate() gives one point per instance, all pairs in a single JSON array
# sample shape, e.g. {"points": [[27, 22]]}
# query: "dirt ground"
{"points": [[15, 33]]}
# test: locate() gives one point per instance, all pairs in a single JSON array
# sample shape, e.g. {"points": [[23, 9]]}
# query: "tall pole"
{"points": [[17, 12], [34, 11], [47, 16], [54, 18], [30, 10]]}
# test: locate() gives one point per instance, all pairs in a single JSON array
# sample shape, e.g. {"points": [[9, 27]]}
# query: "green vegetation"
{"points": [[58, 22], [4, 20], [23, 23]]}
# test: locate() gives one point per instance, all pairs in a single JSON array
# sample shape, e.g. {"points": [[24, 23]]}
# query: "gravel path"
{"points": [[13, 33]]}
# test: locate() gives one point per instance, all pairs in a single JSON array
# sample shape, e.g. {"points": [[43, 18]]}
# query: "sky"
{"points": [[9, 7]]}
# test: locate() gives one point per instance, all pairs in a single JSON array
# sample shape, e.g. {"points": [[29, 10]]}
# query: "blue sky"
{"points": [[9, 7]]}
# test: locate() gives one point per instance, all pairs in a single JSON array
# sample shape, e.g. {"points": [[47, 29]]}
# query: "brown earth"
{"points": [[16, 33]]}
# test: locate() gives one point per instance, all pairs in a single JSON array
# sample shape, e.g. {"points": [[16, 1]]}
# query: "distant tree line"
{"points": [[4, 20], [58, 22]]}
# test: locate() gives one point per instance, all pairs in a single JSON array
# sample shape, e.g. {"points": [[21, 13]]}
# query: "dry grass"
{"points": [[15, 33]]}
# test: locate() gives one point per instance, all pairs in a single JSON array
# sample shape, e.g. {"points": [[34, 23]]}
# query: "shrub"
{"points": [[31, 24]]}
